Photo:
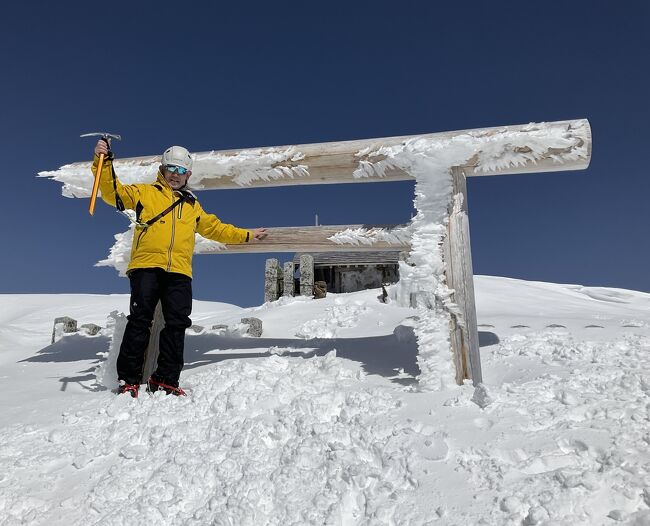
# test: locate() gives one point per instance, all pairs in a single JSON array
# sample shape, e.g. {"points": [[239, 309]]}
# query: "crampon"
{"points": [[155, 385]]}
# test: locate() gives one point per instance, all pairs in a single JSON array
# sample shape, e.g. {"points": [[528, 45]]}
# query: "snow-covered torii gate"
{"points": [[438, 275]]}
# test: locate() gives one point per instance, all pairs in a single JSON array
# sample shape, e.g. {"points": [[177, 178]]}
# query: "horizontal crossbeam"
{"points": [[545, 147], [331, 238]]}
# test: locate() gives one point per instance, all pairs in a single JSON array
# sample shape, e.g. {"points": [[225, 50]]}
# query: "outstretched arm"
{"points": [[211, 227]]}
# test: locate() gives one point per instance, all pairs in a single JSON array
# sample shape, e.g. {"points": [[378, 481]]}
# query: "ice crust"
{"points": [[244, 168]]}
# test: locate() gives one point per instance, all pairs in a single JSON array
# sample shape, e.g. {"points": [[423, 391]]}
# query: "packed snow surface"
{"points": [[320, 421]]}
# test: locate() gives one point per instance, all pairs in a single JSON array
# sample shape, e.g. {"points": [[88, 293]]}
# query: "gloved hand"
{"points": [[104, 146]]}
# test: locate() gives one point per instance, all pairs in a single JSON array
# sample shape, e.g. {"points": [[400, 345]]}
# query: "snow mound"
{"points": [[341, 314], [278, 441]]}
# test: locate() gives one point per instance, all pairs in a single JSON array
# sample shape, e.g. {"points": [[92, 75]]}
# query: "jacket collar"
{"points": [[161, 181]]}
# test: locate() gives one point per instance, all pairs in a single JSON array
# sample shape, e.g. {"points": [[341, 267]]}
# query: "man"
{"points": [[167, 217]]}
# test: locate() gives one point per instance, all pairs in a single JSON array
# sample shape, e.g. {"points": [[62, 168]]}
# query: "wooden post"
{"points": [[288, 286], [271, 274], [153, 349], [306, 275], [460, 278]]}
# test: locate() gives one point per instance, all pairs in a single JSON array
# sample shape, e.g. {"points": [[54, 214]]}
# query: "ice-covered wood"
{"points": [[153, 349], [317, 239], [339, 162], [460, 278]]}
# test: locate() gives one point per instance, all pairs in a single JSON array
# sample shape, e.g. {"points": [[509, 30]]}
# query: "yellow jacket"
{"points": [[169, 242]]}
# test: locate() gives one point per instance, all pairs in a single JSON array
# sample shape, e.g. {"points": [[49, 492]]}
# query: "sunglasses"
{"points": [[176, 169]]}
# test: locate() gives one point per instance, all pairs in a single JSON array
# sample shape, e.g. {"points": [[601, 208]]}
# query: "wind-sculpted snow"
{"points": [[280, 441], [243, 167], [369, 236], [263, 164]]}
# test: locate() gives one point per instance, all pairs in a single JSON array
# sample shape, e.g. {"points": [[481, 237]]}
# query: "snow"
{"points": [[321, 421], [369, 236]]}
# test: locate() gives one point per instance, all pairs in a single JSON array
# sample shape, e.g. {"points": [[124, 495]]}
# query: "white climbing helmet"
{"points": [[178, 156]]}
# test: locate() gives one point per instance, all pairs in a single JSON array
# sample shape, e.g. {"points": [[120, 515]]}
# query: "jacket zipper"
{"points": [[171, 245], [137, 244]]}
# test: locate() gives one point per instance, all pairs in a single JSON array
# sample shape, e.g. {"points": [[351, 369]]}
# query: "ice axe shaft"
{"points": [[105, 136]]}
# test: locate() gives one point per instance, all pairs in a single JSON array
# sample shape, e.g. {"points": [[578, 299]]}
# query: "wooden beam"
{"points": [[313, 239], [335, 162], [153, 347], [458, 271]]}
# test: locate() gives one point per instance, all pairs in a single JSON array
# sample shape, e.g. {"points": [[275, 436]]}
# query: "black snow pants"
{"points": [[148, 286]]}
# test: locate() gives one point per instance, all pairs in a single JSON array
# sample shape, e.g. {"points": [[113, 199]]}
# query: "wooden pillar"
{"points": [[287, 274], [153, 349], [458, 270], [271, 278], [306, 275]]}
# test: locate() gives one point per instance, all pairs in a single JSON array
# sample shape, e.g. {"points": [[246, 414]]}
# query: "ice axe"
{"points": [[106, 138]]}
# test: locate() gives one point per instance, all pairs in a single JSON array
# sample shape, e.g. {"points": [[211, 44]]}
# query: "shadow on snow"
{"points": [[393, 356]]}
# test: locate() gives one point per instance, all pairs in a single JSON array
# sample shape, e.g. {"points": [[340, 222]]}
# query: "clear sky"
{"points": [[216, 75]]}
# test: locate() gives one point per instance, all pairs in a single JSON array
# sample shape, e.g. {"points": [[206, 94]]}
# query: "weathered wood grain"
{"points": [[460, 278]]}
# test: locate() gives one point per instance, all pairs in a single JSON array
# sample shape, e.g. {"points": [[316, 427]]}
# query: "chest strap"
{"points": [[184, 197]]}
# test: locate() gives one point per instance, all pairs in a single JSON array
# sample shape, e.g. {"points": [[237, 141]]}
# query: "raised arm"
{"points": [[129, 194]]}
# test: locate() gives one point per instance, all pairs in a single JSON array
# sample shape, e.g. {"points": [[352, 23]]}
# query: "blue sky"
{"points": [[210, 75]]}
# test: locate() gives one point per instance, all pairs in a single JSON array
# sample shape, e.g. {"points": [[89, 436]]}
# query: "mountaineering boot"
{"points": [[154, 385], [132, 389]]}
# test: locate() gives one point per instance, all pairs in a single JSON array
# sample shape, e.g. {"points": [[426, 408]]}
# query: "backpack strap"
{"points": [[185, 196], [164, 212], [119, 204]]}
